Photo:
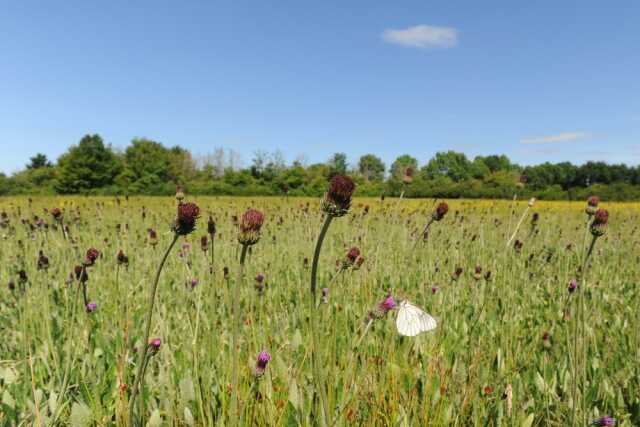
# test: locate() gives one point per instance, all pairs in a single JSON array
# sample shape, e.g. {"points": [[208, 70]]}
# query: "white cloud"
{"points": [[560, 137], [422, 36]]}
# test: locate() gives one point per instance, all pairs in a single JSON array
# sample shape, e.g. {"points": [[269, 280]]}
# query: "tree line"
{"points": [[147, 167]]}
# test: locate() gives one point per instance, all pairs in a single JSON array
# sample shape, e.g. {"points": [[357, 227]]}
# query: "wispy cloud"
{"points": [[422, 36], [560, 137]]}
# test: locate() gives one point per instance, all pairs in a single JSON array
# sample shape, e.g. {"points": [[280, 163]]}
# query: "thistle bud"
{"points": [[153, 237], [337, 199], [440, 212], [600, 222], [57, 214], [592, 205], [325, 296], [179, 193], [80, 273], [477, 274], [204, 243], [259, 285], [250, 225], [122, 258], [185, 222], [211, 226], [43, 261]]}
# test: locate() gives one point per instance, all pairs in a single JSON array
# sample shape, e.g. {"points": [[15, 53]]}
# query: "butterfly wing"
{"points": [[413, 320]]}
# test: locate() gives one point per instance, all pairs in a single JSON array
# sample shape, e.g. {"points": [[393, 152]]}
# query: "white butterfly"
{"points": [[412, 320]]}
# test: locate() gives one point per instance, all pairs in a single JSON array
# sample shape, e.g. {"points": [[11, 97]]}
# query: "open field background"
{"points": [[516, 328]]}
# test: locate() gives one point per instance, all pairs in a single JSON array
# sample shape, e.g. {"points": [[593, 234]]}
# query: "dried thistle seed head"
{"points": [[250, 225], [211, 226], [600, 222], [440, 212], [337, 200], [592, 205], [185, 222]]}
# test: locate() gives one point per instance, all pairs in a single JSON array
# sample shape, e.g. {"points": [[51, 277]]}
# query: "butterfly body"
{"points": [[412, 320]]}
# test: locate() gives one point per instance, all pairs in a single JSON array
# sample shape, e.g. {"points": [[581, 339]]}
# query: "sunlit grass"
{"points": [[456, 375]]}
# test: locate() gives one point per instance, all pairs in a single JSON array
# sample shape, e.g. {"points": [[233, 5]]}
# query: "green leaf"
{"points": [[528, 421], [294, 396], [80, 415], [187, 391], [188, 417], [155, 420]]}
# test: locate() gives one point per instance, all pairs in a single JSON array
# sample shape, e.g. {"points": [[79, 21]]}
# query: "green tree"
{"points": [[87, 166], [371, 167], [400, 165], [338, 164], [39, 161], [452, 164]]}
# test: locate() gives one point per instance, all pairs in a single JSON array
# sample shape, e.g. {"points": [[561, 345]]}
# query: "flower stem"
{"points": [[313, 315], [145, 343], [233, 412]]}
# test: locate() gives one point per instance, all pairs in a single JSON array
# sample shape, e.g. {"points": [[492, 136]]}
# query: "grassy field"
{"points": [[506, 351]]}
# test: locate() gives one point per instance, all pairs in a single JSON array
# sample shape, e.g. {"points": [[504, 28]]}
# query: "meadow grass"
{"points": [[60, 365]]}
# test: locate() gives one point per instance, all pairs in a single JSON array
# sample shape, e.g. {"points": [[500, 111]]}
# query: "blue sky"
{"points": [[538, 81]]}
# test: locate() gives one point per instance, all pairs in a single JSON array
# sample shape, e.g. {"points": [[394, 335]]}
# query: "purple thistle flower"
{"points": [[154, 345], [604, 421], [379, 311], [194, 283], [261, 364], [387, 304], [572, 285], [91, 307], [434, 289]]}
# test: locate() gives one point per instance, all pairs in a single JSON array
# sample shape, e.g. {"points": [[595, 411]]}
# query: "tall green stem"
{"points": [[145, 342], [233, 413], [315, 332]]}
